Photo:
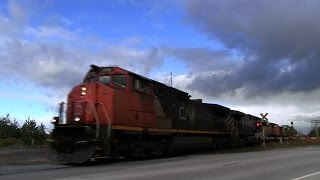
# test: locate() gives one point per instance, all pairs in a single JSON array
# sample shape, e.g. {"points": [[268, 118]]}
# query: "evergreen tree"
{"points": [[31, 133], [9, 128], [313, 132]]}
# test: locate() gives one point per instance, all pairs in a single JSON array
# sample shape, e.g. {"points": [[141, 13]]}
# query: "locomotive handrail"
{"points": [[109, 125], [105, 112], [95, 115], [97, 118]]}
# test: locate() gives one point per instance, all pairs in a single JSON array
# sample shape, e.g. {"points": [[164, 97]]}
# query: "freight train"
{"points": [[275, 131], [118, 113]]}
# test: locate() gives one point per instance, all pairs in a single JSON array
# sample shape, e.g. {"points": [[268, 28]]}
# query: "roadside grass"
{"points": [[270, 145], [8, 142], [292, 143]]}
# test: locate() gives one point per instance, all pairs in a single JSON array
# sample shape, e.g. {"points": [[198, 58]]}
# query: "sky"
{"points": [[255, 56]]}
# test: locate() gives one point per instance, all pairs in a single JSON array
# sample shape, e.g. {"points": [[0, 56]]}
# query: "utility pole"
{"points": [[317, 129], [314, 123]]}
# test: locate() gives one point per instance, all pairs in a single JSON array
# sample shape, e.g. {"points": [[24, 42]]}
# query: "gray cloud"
{"points": [[277, 41]]}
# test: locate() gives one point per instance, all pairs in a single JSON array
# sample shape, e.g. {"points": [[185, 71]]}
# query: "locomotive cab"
{"points": [[91, 102], [89, 116]]}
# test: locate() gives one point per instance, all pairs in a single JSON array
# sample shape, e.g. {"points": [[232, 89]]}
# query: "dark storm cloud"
{"points": [[278, 42], [202, 59]]}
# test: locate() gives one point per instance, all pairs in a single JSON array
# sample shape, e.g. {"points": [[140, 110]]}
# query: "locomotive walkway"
{"points": [[294, 163]]}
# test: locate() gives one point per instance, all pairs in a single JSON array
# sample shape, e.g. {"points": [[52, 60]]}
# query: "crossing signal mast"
{"points": [[264, 119], [264, 124]]}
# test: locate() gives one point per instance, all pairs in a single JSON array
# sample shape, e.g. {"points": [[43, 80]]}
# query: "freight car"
{"points": [[115, 112], [273, 130]]}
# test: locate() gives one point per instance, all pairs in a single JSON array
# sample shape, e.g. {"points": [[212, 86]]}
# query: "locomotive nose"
{"points": [[82, 101]]}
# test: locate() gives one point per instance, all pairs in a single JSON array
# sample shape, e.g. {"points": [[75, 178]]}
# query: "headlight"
{"points": [[55, 120], [77, 119], [83, 91]]}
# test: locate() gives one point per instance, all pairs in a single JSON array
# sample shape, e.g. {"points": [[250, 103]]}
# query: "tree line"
{"points": [[315, 132], [28, 134]]}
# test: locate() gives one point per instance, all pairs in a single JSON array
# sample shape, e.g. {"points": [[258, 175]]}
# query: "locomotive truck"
{"points": [[117, 113]]}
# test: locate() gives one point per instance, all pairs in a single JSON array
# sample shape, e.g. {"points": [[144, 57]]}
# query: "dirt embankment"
{"points": [[19, 154]]}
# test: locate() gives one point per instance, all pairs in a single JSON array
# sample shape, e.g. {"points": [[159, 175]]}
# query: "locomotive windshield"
{"points": [[106, 79], [118, 79], [106, 76]]}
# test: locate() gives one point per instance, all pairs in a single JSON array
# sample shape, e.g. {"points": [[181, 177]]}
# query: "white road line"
{"points": [[302, 177]]}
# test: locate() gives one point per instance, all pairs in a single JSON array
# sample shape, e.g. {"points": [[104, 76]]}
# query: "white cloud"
{"points": [[54, 58], [55, 55]]}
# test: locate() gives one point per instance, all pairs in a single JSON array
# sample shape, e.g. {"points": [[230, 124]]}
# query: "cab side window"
{"points": [[160, 89], [138, 84], [120, 80]]}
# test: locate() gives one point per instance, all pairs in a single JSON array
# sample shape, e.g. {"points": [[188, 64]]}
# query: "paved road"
{"points": [[295, 163]]}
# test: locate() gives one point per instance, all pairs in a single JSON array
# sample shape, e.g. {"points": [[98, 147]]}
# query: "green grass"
{"points": [[9, 141]]}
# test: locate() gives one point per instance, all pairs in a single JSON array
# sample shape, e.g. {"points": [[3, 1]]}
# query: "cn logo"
{"points": [[186, 113]]}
